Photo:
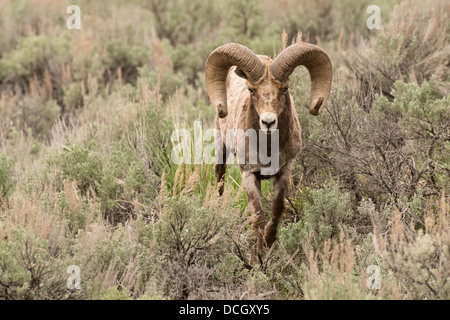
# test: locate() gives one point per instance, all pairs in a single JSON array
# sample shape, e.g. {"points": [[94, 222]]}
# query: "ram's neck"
{"points": [[286, 125]]}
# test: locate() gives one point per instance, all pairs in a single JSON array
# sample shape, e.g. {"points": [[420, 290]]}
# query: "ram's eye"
{"points": [[252, 91], [284, 90]]}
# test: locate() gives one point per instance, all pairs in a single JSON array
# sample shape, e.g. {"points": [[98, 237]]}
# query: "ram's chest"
{"points": [[254, 150]]}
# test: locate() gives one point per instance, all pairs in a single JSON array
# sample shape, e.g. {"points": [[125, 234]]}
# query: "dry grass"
{"points": [[417, 41], [419, 260]]}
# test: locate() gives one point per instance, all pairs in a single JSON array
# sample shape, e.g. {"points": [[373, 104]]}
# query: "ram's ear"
{"points": [[240, 73]]}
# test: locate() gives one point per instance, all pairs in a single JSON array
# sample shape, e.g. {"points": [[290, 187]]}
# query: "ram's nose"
{"points": [[268, 121]]}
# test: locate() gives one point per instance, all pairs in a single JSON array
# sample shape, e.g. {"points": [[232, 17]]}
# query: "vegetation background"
{"points": [[86, 179]]}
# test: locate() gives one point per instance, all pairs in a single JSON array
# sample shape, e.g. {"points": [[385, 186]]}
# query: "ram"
{"points": [[250, 91]]}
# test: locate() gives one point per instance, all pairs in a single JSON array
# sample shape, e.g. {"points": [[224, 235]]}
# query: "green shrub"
{"points": [[90, 64], [191, 241], [37, 114], [82, 165], [73, 97], [115, 294], [178, 20], [149, 138], [325, 217], [6, 177], [126, 172], [117, 180], [188, 229], [76, 214], [129, 59], [123, 180], [32, 56], [28, 270], [419, 108], [424, 117], [166, 81], [244, 20]]}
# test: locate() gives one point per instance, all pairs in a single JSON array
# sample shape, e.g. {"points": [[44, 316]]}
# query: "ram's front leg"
{"points": [[280, 184], [252, 187], [220, 168]]}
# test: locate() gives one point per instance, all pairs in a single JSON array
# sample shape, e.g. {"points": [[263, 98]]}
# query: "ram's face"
{"points": [[269, 97]]}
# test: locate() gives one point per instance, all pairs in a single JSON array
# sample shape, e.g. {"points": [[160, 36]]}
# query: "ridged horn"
{"points": [[316, 60], [219, 63]]}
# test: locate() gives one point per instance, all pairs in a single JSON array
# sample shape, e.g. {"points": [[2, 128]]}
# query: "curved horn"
{"points": [[318, 64], [217, 66]]}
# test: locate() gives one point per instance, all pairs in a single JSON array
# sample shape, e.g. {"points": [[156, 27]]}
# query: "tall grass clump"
{"points": [[417, 41]]}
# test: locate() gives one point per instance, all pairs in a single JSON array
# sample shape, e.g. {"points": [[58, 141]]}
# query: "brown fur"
{"points": [[244, 109]]}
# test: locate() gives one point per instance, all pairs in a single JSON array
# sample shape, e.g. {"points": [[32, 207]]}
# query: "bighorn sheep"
{"points": [[256, 96]]}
